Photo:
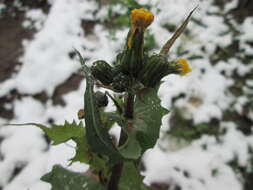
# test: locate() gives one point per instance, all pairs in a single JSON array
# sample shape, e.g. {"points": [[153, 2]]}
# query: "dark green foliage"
{"points": [[215, 172], [185, 129], [63, 179], [246, 172]]}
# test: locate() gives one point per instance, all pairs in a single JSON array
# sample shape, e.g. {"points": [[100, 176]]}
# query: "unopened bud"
{"points": [[102, 71]]}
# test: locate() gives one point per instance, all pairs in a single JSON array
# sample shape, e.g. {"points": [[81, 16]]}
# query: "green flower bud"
{"points": [[102, 71], [155, 68], [121, 82], [131, 59]]}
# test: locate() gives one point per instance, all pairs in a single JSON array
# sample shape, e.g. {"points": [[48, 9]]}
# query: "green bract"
{"points": [[102, 71]]}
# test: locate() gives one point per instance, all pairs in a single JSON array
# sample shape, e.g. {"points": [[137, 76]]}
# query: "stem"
{"points": [[129, 106], [115, 177], [117, 169]]}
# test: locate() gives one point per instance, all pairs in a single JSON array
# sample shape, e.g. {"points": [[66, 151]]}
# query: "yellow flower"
{"points": [[184, 66], [141, 18]]}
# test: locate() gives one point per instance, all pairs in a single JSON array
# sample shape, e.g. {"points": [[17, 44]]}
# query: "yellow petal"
{"points": [[141, 18], [184, 66]]}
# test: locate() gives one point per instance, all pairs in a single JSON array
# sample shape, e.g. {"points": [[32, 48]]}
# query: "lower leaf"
{"points": [[63, 179], [131, 149]]}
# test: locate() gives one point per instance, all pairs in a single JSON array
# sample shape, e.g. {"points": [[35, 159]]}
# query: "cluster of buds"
{"points": [[133, 66]]}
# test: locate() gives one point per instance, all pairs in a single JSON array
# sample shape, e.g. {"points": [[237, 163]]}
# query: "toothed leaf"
{"points": [[63, 179], [148, 116]]}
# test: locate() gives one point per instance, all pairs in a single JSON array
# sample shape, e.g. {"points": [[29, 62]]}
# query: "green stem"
{"points": [[115, 177], [117, 169], [129, 106]]}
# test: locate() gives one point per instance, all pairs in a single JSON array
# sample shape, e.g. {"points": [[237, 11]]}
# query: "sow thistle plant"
{"points": [[135, 78]]}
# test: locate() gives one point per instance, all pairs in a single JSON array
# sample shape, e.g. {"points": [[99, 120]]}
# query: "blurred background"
{"points": [[206, 141]]}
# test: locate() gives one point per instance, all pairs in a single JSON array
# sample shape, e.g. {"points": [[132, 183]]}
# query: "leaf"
{"points": [[131, 178], [63, 179], [69, 131], [131, 149], [116, 103], [85, 156], [110, 118], [97, 135], [148, 114], [165, 49], [60, 133], [99, 166], [82, 152]]}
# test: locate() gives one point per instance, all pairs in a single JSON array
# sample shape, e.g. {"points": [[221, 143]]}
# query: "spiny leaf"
{"points": [[83, 155], [99, 165], [165, 49], [60, 133], [69, 131], [148, 115], [82, 152], [63, 179], [97, 136]]}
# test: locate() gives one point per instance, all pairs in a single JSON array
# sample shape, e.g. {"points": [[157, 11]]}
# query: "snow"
{"points": [[34, 18], [60, 33], [246, 26], [173, 168], [46, 64]]}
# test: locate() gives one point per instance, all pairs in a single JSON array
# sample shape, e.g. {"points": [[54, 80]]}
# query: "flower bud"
{"points": [[141, 18], [154, 69], [131, 60], [184, 66], [102, 71], [121, 82]]}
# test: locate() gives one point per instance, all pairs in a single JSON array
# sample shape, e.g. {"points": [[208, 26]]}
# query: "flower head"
{"points": [[184, 66], [141, 18]]}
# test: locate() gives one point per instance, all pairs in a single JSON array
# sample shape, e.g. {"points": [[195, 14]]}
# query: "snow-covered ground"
{"points": [[46, 64]]}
